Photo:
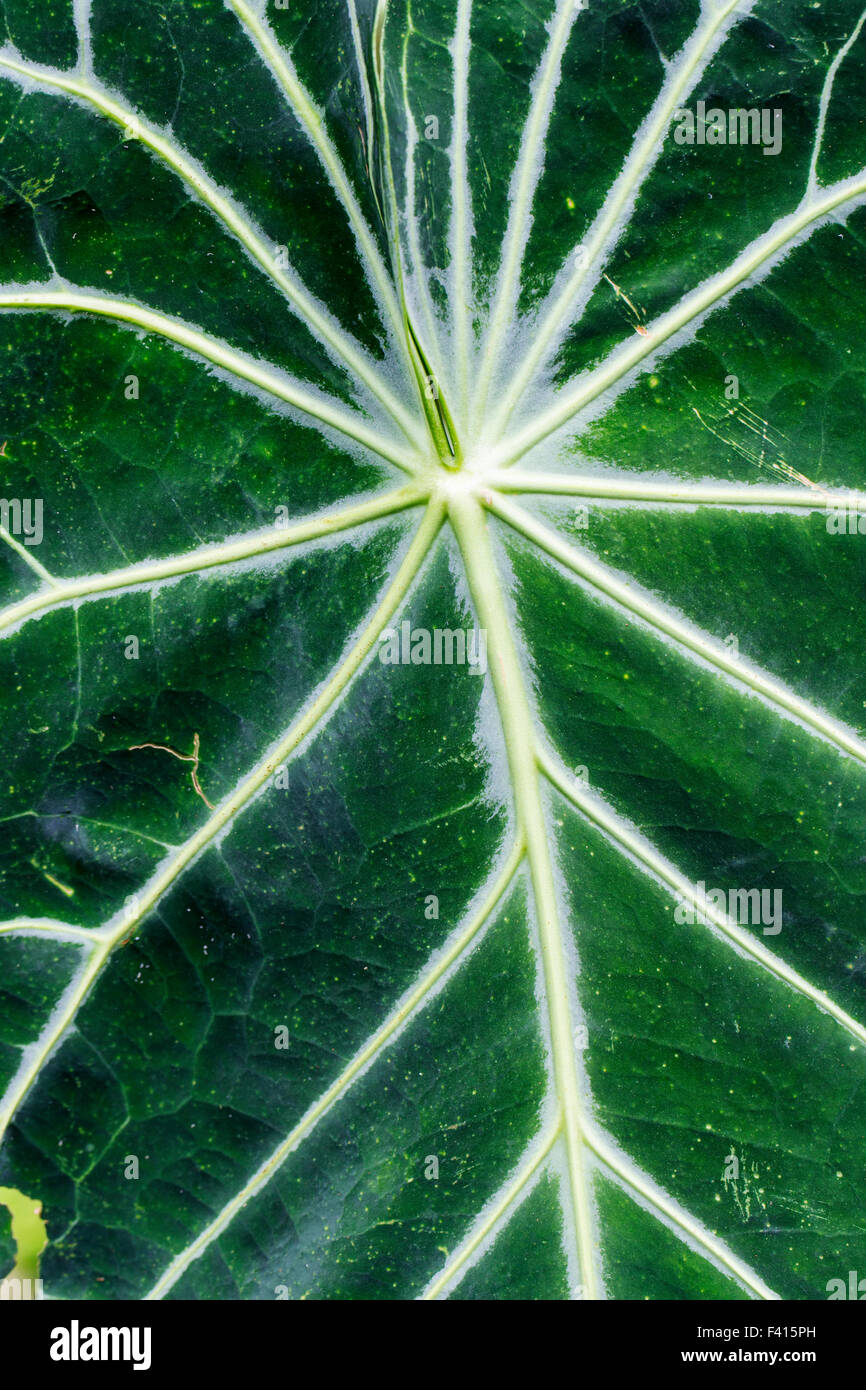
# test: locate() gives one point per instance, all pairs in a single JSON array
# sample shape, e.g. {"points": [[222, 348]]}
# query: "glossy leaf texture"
{"points": [[330, 969]]}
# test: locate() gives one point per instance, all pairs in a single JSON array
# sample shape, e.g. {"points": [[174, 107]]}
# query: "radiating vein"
{"points": [[313, 122], [753, 264], [824, 104], [26, 554], [470, 526], [609, 488], [559, 310], [45, 926], [363, 75], [528, 761], [461, 203], [650, 860], [418, 277], [520, 196], [444, 961], [81, 14], [127, 921], [683, 1224], [34, 1057], [340, 345], [515, 1188], [206, 557], [634, 602], [266, 377]]}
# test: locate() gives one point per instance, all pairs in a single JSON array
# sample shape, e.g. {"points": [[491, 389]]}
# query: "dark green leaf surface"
{"points": [[7, 1243], [329, 977]]}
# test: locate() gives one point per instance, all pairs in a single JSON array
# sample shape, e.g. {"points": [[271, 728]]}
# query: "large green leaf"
{"points": [[336, 977]]}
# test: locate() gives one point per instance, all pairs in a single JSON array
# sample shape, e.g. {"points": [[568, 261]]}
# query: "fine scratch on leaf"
{"points": [[741, 1177], [637, 316], [754, 439], [192, 757]]}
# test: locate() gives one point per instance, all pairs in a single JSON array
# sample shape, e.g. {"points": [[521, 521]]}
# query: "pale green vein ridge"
{"points": [[206, 557], [390, 1030], [650, 860], [812, 184], [684, 1225], [418, 278], [517, 1187], [461, 200], [683, 74], [470, 527], [266, 377], [340, 344], [363, 75], [639, 605], [121, 928], [521, 194], [758, 259], [46, 926], [35, 1056], [27, 556], [310, 118], [610, 489]]}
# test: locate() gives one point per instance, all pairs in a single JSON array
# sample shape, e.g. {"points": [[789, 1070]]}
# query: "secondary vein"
{"points": [[340, 345], [149, 572], [263, 375]]}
